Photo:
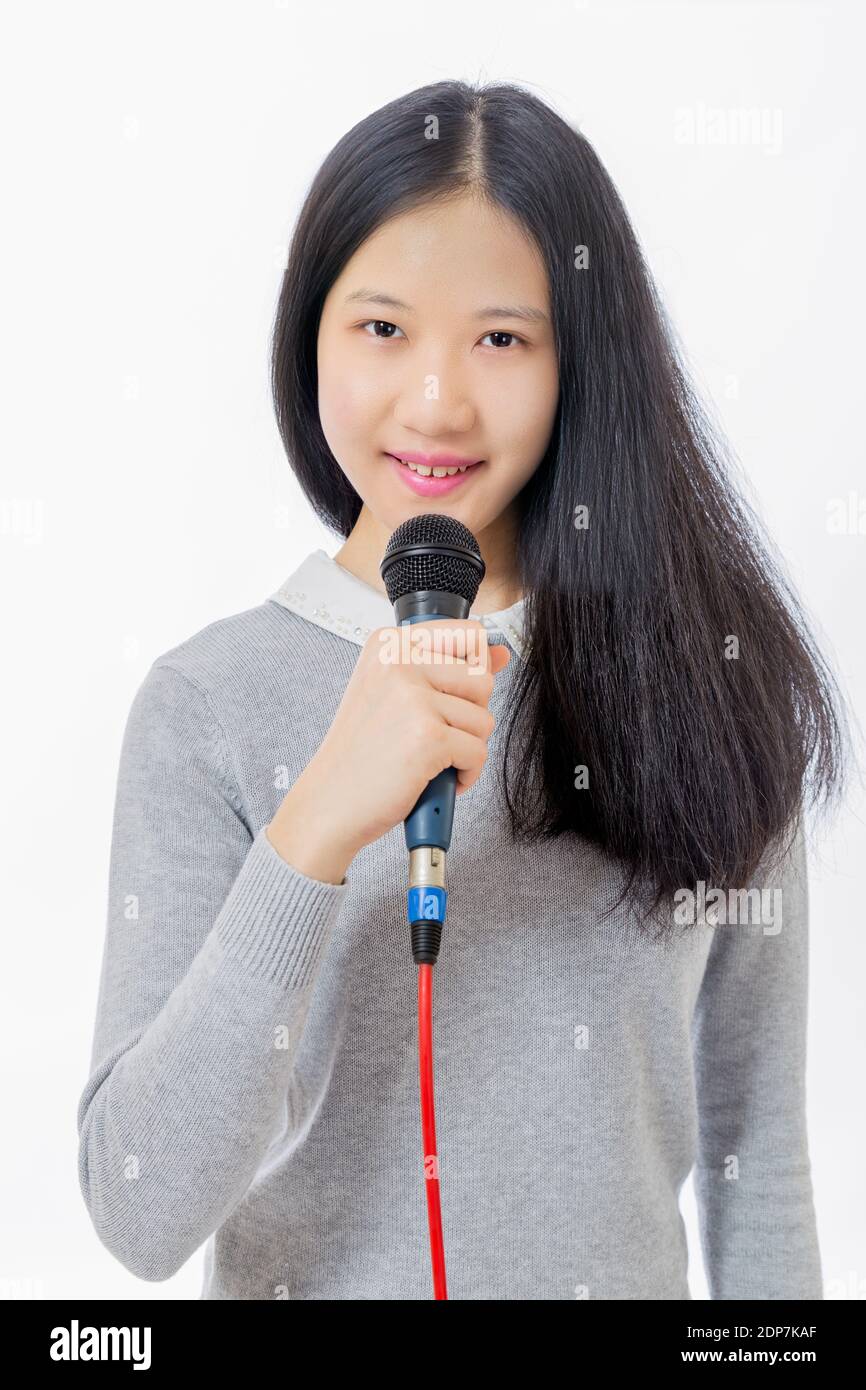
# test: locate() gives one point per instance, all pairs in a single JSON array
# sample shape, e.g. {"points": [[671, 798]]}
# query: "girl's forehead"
{"points": [[443, 253]]}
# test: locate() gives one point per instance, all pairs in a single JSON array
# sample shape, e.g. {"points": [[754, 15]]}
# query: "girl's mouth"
{"points": [[430, 486]]}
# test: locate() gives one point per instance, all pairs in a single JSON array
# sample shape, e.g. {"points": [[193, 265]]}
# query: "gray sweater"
{"points": [[254, 1077]]}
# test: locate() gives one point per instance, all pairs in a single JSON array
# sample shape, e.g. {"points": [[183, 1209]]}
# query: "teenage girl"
{"points": [[466, 325]]}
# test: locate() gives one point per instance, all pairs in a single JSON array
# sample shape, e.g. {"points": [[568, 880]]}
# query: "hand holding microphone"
{"points": [[432, 569], [398, 726]]}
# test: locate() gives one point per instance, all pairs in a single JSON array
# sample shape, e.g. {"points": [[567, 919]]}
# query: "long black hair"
{"points": [[666, 653]]}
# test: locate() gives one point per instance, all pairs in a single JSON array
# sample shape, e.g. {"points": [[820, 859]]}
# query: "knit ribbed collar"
{"points": [[325, 593]]}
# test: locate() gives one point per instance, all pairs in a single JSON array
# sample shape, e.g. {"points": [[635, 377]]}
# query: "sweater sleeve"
{"points": [[752, 1177], [211, 952]]}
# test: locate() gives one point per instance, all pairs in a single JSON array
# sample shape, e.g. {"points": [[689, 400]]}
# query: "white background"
{"points": [[155, 157]]}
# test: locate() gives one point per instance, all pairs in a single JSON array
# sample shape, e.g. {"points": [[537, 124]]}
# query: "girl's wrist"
{"points": [[295, 833]]}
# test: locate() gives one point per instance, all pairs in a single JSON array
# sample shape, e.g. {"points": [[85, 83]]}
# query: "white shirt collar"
{"points": [[325, 593]]}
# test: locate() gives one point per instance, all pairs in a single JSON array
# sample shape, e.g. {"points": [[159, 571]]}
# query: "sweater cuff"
{"points": [[276, 920]]}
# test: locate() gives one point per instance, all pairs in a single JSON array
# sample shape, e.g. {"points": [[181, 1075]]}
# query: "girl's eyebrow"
{"points": [[520, 311]]}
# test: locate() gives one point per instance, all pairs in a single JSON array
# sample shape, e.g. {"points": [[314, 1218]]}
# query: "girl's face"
{"points": [[436, 340]]}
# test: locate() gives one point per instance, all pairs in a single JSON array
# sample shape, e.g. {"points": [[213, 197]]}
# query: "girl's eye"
{"points": [[380, 323], [499, 346]]}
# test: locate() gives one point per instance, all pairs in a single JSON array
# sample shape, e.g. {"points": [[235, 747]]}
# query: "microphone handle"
{"points": [[430, 821]]}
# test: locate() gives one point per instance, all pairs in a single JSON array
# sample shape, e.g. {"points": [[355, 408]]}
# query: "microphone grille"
{"points": [[432, 552]]}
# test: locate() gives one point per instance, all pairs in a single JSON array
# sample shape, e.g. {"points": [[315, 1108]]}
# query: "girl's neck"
{"points": [[361, 554]]}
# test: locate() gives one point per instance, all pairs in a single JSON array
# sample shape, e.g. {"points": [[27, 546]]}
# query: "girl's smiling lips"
{"points": [[426, 485]]}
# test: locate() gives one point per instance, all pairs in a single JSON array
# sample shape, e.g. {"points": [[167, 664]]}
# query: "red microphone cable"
{"points": [[428, 1127]]}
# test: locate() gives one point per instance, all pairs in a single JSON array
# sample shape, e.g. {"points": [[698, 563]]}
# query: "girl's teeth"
{"points": [[436, 472]]}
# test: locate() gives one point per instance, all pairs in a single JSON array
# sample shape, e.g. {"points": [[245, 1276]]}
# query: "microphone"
{"points": [[432, 568]]}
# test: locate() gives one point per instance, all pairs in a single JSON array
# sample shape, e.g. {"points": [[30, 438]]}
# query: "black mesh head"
{"points": [[432, 552]]}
